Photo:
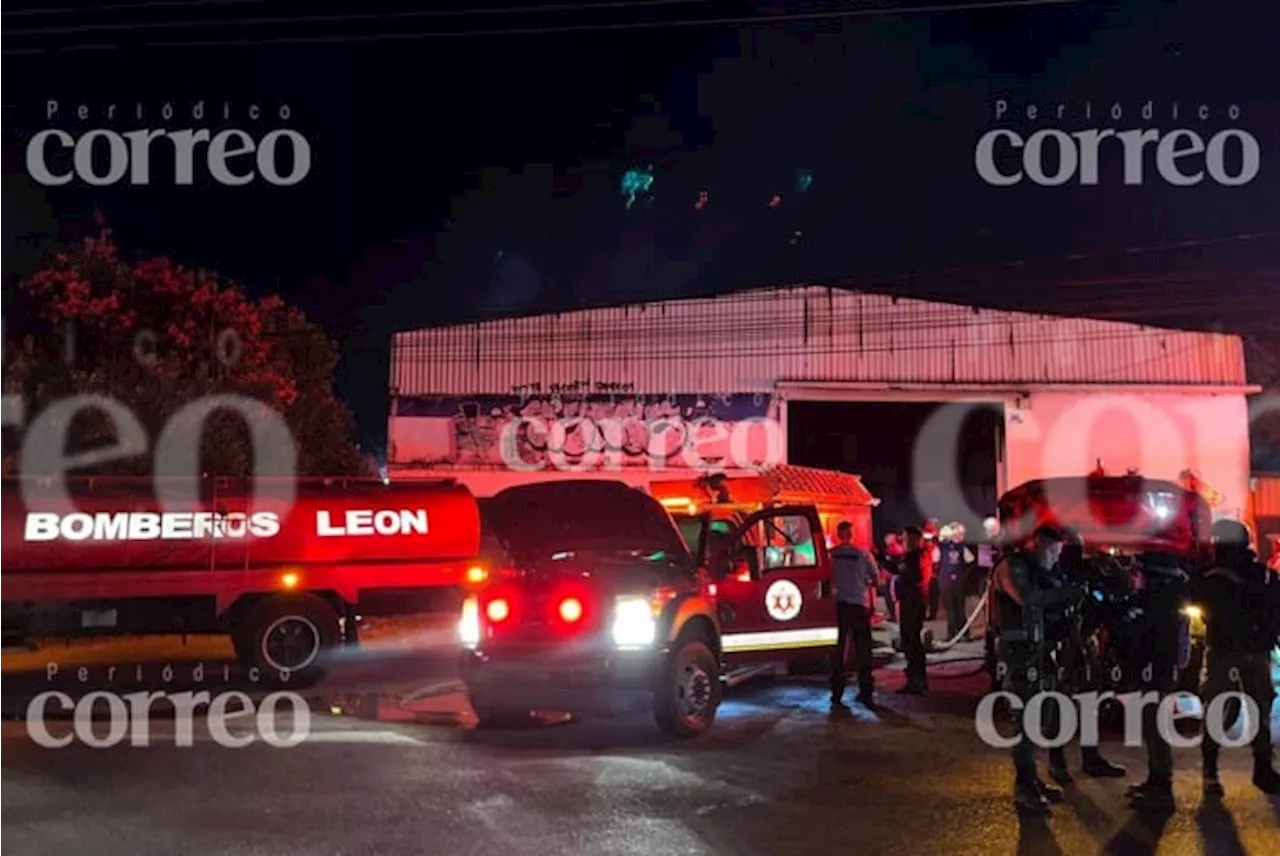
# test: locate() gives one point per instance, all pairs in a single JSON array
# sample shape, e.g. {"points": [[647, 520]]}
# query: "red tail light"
{"points": [[497, 610], [570, 610]]}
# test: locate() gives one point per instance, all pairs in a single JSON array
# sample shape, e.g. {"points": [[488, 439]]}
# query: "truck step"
{"points": [[746, 673]]}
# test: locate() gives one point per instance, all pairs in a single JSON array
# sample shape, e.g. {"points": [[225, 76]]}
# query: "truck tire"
{"points": [[287, 638], [493, 714], [688, 690]]}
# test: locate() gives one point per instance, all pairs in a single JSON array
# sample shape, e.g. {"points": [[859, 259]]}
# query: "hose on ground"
{"points": [[982, 603]]}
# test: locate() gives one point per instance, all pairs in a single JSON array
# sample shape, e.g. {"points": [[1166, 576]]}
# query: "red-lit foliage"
{"points": [[157, 336]]}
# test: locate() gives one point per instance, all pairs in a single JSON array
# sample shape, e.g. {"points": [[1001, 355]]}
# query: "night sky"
{"points": [[460, 173]]}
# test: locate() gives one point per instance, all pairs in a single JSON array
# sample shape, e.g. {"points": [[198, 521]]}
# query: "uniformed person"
{"points": [[856, 575], [1022, 592], [1156, 633], [952, 577], [1073, 671], [1240, 632], [913, 595]]}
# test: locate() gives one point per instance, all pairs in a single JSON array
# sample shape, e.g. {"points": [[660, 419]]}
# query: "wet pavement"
{"points": [[406, 772], [777, 775]]}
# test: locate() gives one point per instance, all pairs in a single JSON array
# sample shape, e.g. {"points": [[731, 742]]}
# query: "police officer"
{"points": [[1022, 591], [1236, 593], [1067, 632], [1156, 632]]}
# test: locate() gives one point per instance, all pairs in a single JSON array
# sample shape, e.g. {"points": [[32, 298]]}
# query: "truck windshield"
{"points": [[563, 517], [703, 533]]}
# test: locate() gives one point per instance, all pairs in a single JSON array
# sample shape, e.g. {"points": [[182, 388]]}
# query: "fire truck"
{"points": [[598, 604], [708, 506], [284, 568]]}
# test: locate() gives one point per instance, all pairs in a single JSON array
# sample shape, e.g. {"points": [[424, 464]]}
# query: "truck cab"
{"points": [[764, 539], [599, 602]]}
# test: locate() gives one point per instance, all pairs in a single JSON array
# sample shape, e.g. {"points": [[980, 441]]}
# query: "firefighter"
{"points": [[1156, 631], [913, 593], [1021, 592], [1240, 632], [1068, 635], [952, 578], [930, 556], [856, 576]]}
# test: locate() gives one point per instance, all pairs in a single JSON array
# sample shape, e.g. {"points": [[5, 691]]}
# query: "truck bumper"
{"points": [[608, 683]]}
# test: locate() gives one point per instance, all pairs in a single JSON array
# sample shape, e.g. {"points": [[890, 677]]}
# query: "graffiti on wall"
{"points": [[569, 424]]}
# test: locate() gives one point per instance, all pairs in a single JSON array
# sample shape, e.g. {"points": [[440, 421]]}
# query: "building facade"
{"points": [[634, 389]]}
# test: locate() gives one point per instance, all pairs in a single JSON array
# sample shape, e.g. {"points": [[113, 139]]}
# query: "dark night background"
{"points": [[460, 173]]}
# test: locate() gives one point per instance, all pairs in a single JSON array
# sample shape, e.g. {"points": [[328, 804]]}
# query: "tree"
{"points": [[158, 337]]}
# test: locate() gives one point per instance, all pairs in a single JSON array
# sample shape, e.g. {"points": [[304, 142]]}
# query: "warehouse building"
{"points": [[939, 407]]}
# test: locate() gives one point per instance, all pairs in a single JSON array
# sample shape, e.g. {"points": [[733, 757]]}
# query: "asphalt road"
{"points": [[777, 775]]}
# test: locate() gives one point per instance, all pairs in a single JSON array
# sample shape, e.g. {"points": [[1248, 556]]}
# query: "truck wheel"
{"points": [[286, 639], [688, 691], [491, 714]]}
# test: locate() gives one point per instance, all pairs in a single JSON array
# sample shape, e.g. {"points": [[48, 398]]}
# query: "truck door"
{"points": [[774, 585]]}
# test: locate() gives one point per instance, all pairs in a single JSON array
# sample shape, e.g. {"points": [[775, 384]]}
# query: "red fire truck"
{"points": [[284, 568], [597, 603]]}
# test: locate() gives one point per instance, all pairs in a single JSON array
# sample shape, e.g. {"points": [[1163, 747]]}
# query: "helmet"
{"points": [[1230, 533]]}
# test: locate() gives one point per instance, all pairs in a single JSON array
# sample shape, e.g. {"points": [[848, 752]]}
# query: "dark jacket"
{"points": [[1240, 616], [1155, 633], [951, 566], [914, 576]]}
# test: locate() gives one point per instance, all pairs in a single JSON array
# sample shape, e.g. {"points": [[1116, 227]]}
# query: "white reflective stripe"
{"points": [[764, 641]]}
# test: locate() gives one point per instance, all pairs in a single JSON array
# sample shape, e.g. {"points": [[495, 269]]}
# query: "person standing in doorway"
{"points": [[856, 576], [890, 560], [932, 555], [952, 579], [913, 594]]}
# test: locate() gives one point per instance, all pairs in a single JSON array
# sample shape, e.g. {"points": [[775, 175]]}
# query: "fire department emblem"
{"points": [[783, 600]]}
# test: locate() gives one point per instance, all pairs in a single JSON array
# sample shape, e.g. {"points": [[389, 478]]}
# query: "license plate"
{"points": [[98, 618]]}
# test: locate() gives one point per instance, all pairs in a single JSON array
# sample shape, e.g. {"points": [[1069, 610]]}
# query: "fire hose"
{"points": [[926, 633], [982, 603]]}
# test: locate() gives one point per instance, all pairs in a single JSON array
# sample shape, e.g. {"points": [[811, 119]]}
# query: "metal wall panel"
{"points": [[1266, 495], [747, 342]]}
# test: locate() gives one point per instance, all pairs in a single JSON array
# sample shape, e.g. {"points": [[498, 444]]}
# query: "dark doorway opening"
{"points": [[878, 441]]}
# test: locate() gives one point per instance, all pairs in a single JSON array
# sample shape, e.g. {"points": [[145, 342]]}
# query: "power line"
{"points": [[751, 20], [126, 7], [353, 18]]}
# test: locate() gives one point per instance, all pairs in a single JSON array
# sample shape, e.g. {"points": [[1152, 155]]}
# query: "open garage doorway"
{"points": [[877, 441]]}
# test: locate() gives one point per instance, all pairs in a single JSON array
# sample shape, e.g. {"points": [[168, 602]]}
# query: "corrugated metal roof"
{"points": [[747, 342]]}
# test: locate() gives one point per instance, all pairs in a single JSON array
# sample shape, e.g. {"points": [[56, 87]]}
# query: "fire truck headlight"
{"points": [[469, 623], [634, 624]]}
